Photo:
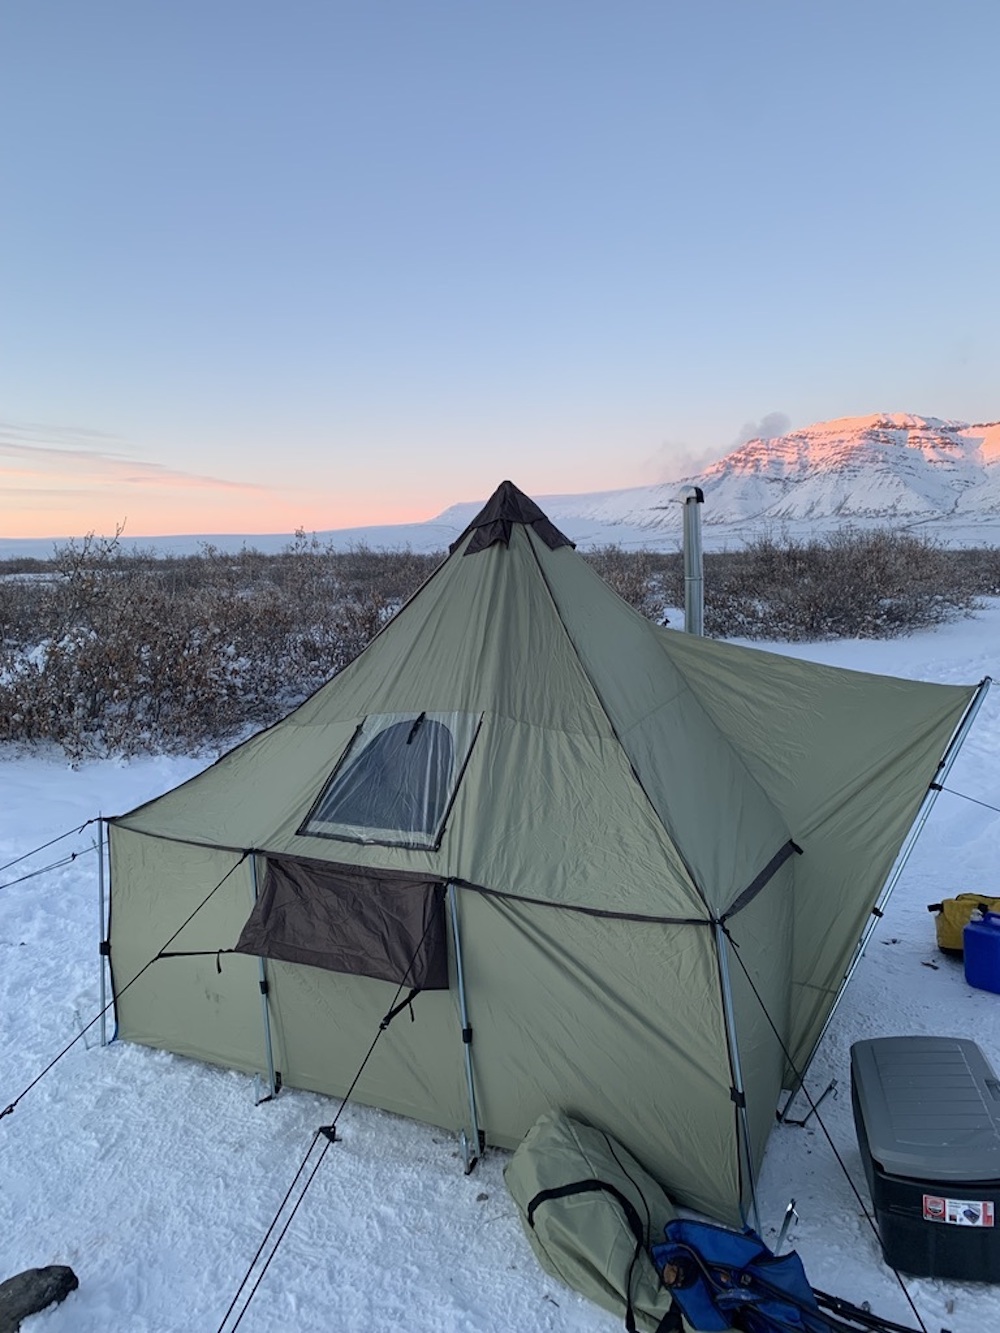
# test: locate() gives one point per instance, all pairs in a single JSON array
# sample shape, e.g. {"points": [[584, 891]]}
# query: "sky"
{"points": [[322, 264]]}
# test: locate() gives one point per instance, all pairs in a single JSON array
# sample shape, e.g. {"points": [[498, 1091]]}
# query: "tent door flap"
{"points": [[364, 922]]}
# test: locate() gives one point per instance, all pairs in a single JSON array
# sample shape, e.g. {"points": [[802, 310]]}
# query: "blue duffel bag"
{"points": [[724, 1279]]}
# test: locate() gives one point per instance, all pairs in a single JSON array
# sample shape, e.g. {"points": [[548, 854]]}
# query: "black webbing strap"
{"points": [[398, 1009], [196, 953], [791, 848], [671, 1321]]}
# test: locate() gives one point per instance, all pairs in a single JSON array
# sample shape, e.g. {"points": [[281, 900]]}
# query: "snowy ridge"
{"points": [[896, 470], [937, 477], [895, 467]]}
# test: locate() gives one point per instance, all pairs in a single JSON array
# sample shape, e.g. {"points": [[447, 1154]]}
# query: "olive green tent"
{"points": [[601, 849]]}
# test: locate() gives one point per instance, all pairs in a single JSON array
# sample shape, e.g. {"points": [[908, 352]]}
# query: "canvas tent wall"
{"points": [[607, 800]]}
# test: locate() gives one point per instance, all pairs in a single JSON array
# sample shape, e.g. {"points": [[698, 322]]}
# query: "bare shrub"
{"points": [[978, 570], [108, 652], [114, 652], [849, 584], [632, 574]]}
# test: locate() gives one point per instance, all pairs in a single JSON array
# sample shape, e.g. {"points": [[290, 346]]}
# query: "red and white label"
{"points": [[959, 1212]]}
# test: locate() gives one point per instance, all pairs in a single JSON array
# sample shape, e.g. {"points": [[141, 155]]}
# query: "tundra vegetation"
{"points": [[107, 650]]}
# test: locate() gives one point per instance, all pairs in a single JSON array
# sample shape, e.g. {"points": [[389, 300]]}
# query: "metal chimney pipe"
{"points": [[694, 569]]}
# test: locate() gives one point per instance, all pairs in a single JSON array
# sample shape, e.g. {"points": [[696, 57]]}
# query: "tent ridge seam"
{"points": [[614, 730], [602, 912], [117, 821], [580, 908]]}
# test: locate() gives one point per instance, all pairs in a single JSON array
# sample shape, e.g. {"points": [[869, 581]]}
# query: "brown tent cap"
{"points": [[495, 521]]}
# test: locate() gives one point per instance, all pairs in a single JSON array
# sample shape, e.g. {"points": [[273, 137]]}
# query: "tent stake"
{"points": [[272, 1087], [786, 1223], [739, 1092], [100, 934], [782, 1115], [471, 1149]]}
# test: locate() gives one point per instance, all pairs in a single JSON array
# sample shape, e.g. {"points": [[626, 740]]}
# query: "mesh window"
{"points": [[397, 780]]}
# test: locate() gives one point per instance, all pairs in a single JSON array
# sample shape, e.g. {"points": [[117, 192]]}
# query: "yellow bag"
{"points": [[953, 917]]}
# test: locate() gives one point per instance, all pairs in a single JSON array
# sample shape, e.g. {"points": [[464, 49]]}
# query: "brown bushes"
{"points": [[120, 653], [107, 652], [849, 584], [636, 576]]}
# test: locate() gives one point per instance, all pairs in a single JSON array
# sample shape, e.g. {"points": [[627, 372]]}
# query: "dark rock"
{"points": [[31, 1291]]}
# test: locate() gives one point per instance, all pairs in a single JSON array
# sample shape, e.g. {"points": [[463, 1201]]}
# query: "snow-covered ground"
{"points": [[156, 1178]]}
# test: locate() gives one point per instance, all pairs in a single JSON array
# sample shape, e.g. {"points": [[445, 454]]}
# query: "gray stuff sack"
{"points": [[591, 1213]]}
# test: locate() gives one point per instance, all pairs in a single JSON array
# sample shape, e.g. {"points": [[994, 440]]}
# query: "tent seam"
{"points": [[614, 730], [483, 889]]}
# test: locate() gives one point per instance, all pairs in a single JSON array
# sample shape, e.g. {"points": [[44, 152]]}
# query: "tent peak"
{"points": [[495, 521]]}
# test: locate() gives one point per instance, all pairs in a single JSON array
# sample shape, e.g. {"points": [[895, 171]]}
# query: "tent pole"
{"points": [[272, 1089], [472, 1148], [926, 806], [101, 936], [738, 1091]]}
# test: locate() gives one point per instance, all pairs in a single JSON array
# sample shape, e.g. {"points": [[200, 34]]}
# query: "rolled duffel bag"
{"points": [[953, 916], [591, 1212]]}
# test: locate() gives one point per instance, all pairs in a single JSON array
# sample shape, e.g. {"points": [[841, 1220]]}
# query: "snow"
{"points": [[156, 1177]]}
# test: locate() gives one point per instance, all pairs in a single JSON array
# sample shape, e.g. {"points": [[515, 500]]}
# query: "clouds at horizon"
{"points": [[56, 481], [67, 452]]}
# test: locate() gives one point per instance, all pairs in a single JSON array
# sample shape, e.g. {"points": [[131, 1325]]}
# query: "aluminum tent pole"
{"points": [[926, 806], [272, 1088], [738, 1090], [471, 1149], [102, 943]]}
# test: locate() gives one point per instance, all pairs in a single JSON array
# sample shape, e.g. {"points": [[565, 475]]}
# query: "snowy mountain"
{"points": [[895, 468], [936, 477], [898, 470]]}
